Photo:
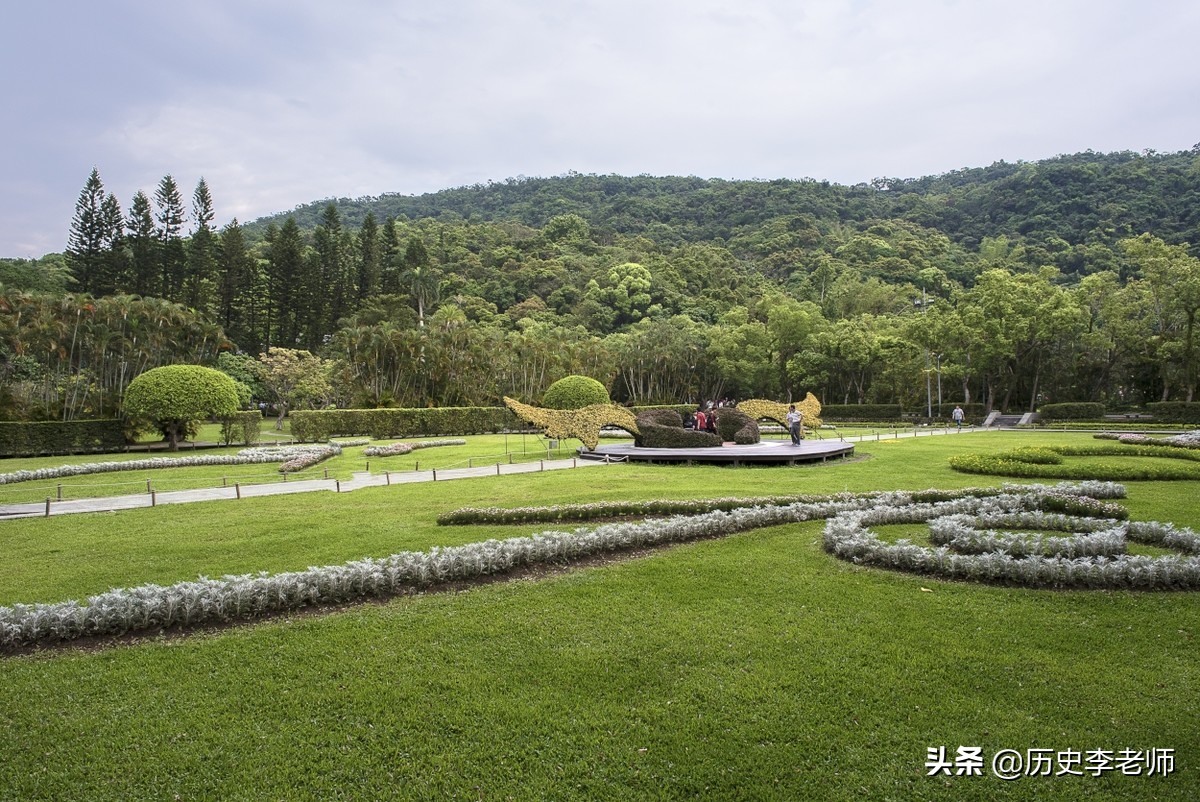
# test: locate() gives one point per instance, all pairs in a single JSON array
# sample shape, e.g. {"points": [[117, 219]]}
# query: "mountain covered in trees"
{"points": [[1016, 284]]}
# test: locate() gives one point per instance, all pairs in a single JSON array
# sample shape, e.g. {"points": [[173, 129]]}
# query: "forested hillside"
{"points": [[1014, 285]]}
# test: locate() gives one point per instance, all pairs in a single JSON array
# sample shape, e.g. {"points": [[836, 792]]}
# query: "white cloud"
{"points": [[277, 104]]}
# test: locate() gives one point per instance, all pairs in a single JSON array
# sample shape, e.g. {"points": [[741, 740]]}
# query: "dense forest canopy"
{"points": [[1015, 284]]}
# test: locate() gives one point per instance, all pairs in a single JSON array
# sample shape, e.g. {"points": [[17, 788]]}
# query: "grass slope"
{"points": [[755, 667]]}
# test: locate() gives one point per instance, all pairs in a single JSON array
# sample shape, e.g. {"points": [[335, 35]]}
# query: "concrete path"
{"points": [[235, 491], [358, 480]]}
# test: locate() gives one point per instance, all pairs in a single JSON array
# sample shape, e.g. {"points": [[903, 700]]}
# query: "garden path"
{"points": [[358, 480]]}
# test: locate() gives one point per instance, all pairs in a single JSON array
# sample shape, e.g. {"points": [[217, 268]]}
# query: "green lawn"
{"points": [[753, 667]]}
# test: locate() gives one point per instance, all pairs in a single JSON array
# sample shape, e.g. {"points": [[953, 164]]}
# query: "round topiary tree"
{"points": [[575, 392], [173, 396]]}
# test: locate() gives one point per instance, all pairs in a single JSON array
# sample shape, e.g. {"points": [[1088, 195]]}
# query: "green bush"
{"points": [[318, 425], [662, 427], [51, 438], [1175, 411], [1024, 463], [735, 426], [575, 392], [861, 412], [971, 412], [241, 427], [174, 397], [1081, 410]]}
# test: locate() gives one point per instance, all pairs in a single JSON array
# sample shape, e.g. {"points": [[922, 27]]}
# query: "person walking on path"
{"points": [[957, 416], [795, 419]]}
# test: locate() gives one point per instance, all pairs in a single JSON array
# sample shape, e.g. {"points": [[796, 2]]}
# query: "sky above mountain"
{"points": [[278, 103]]}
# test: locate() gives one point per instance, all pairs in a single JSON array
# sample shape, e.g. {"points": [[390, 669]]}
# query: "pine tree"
{"points": [[285, 273], [144, 277], [86, 241], [236, 302], [201, 253], [172, 259], [370, 258], [114, 265], [389, 278]]}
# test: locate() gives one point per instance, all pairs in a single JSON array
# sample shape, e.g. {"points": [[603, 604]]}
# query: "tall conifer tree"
{"points": [[171, 256], [86, 241], [370, 257], [201, 254], [144, 278]]}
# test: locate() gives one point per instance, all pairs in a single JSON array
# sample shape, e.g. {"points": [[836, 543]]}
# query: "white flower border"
{"points": [[233, 598], [1093, 560], [400, 449]]}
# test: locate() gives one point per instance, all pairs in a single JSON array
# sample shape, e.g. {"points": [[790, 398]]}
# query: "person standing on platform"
{"points": [[795, 420]]}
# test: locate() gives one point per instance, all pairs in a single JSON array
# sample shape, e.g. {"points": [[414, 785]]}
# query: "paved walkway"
{"points": [[235, 491], [358, 480]]}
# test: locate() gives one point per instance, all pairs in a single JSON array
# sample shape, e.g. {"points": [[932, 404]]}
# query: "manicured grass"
{"points": [[483, 450], [754, 667]]}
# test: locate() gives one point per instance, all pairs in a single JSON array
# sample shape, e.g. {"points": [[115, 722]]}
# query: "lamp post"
{"points": [[923, 303]]}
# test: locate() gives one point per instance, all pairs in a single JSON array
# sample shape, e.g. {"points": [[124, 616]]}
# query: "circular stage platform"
{"points": [[768, 452]]}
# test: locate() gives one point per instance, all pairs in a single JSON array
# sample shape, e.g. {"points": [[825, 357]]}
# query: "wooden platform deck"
{"points": [[769, 452]]}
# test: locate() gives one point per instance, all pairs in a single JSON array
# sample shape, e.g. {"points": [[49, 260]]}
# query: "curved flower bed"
{"points": [[400, 449], [1094, 558], [294, 457], [247, 456], [234, 598], [1185, 440], [353, 442], [1045, 462], [629, 509]]}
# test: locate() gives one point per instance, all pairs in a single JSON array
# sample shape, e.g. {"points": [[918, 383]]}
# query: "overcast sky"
{"points": [[277, 103]]}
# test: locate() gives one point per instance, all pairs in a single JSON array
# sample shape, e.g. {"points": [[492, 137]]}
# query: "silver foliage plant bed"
{"points": [[400, 449], [206, 601], [290, 457]]}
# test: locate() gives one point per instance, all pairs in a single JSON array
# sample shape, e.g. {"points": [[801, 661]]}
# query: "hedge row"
{"points": [[241, 427], [861, 412], [1080, 410], [19, 439], [320, 425], [1175, 411], [662, 427]]}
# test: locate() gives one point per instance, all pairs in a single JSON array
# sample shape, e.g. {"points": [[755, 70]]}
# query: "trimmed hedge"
{"points": [[735, 426], [575, 392], [1033, 463], [318, 425], [1081, 410], [862, 412], [663, 428], [1175, 411], [682, 409], [50, 438], [970, 411], [241, 427]]}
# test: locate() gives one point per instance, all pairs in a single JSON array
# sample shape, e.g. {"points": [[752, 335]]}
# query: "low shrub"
{"points": [[241, 427], [311, 426], [735, 426], [1026, 463], [1079, 410], [663, 428], [1175, 411], [868, 413], [50, 438]]}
